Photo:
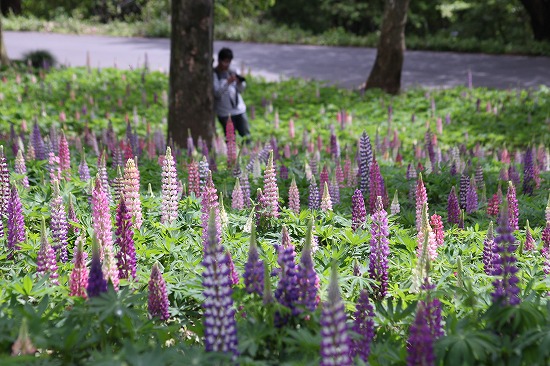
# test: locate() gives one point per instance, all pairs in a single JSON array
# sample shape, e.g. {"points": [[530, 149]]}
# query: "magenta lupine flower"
{"points": [[379, 250], [20, 168], [339, 174], [45, 260], [365, 161], [101, 218], [335, 341], [363, 326], [421, 199], [471, 197], [231, 143], [493, 205], [254, 268], [237, 202], [489, 254], [323, 177], [326, 202], [131, 192], [437, 226], [314, 201], [78, 279], [158, 303], [83, 170], [96, 282], [513, 213], [308, 280], [547, 211], [16, 222], [245, 188], [453, 209], [233, 274], [220, 327], [126, 255], [169, 190], [294, 197], [5, 192], [358, 212], [59, 224], [287, 288], [506, 285], [271, 191], [193, 178], [529, 241], [426, 236], [64, 156], [395, 207], [209, 200], [375, 187], [347, 170], [37, 142]]}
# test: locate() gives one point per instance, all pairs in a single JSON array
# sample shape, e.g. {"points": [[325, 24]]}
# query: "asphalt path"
{"points": [[343, 66]]}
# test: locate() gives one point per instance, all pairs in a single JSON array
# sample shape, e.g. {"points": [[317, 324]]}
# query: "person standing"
{"points": [[228, 87]]}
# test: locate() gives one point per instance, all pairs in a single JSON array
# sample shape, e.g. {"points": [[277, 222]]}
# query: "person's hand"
{"points": [[232, 78]]}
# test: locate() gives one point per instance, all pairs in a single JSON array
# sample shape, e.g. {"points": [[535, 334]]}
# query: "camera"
{"points": [[240, 78]]}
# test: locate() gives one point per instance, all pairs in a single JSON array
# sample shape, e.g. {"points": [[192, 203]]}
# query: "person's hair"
{"points": [[225, 54]]}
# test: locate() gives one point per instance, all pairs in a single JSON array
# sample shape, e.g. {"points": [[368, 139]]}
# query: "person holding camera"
{"points": [[228, 86]]}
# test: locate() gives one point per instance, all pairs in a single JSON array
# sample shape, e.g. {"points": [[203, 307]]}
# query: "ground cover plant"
{"points": [[354, 228]]}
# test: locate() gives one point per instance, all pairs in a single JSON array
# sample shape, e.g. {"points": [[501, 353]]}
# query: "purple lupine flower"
{"points": [[64, 156], [471, 197], [358, 212], [308, 280], [20, 168], [71, 216], [45, 260], [335, 341], [96, 282], [131, 192], [314, 200], [169, 190], [453, 208], [126, 255], [193, 178], [233, 274], [83, 170], [16, 222], [254, 268], [204, 168], [421, 199], [294, 197], [78, 279], [513, 175], [528, 172], [118, 185], [365, 161], [271, 191], [59, 224], [283, 172], [334, 147], [513, 213], [37, 142], [506, 285], [323, 177], [231, 144], [53, 166], [488, 251], [101, 218], [545, 251], [463, 191], [245, 187], [363, 326], [287, 288], [334, 191], [379, 250], [190, 144], [220, 326], [158, 303], [5, 192], [209, 200], [326, 202], [529, 241]]}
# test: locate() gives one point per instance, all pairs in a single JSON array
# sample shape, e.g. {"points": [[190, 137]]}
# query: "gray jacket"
{"points": [[227, 97]]}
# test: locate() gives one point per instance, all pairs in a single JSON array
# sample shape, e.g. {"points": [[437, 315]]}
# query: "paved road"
{"points": [[344, 66]]}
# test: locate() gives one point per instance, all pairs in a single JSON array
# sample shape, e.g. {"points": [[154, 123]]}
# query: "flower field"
{"points": [[354, 229]]}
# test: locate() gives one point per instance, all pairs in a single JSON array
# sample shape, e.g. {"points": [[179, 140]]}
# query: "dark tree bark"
{"points": [[4, 60], [386, 71], [539, 12], [191, 103], [10, 6]]}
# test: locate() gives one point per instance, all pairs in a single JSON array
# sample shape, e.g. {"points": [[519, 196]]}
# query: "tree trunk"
{"points": [[386, 71], [191, 103], [539, 12], [4, 60], [10, 6]]}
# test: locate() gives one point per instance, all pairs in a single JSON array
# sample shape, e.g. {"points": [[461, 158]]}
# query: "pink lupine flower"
{"points": [[529, 241], [101, 218], [294, 197], [512, 206], [358, 211], [5, 191], [437, 227], [426, 231], [21, 168], [78, 279], [109, 268], [237, 201], [231, 143], [53, 166], [209, 201], [326, 202], [59, 223], [271, 191], [158, 297], [131, 192], [45, 259], [323, 177], [421, 199], [193, 178], [64, 156], [291, 131], [169, 191]]}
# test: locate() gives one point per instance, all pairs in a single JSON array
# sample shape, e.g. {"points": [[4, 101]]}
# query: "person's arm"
{"points": [[220, 86], [241, 86]]}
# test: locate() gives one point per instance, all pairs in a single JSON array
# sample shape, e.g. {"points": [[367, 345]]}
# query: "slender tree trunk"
{"points": [[539, 12], [191, 91], [4, 60], [386, 71]]}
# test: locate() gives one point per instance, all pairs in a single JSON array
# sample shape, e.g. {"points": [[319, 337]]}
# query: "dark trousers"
{"points": [[240, 122]]}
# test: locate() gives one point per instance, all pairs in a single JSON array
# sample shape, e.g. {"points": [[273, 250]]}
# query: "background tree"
{"points": [[386, 71], [4, 60], [191, 103], [539, 11]]}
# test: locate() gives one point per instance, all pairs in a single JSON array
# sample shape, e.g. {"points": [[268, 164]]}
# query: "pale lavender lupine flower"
{"points": [[169, 190]]}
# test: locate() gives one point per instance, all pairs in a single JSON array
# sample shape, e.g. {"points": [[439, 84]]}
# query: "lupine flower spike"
{"points": [[169, 190], [326, 202], [294, 197], [363, 326], [59, 223], [16, 222], [437, 226], [421, 199], [335, 341], [395, 208], [79, 275], [379, 250], [158, 297], [529, 241], [126, 255], [45, 260], [101, 218], [254, 268], [96, 282], [489, 254], [512, 206], [308, 281], [64, 156], [237, 200], [287, 290], [4, 183], [453, 208], [21, 168], [220, 328], [358, 211], [131, 192], [271, 191], [23, 344], [83, 170]]}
